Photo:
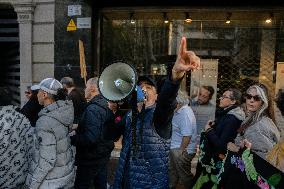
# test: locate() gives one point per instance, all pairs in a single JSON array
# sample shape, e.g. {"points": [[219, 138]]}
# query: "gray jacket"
{"points": [[52, 165], [263, 135]]}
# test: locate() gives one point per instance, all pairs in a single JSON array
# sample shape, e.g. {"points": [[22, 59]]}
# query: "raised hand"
{"points": [[186, 60]]}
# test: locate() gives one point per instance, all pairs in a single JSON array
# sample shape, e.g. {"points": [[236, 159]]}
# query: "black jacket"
{"points": [[214, 142], [31, 110], [79, 103], [91, 147], [225, 129]]}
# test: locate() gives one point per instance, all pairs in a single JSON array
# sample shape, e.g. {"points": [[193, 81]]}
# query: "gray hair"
{"points": [[182, 98], [254, 117], [93, 81], [262, 92], [68, 81]]}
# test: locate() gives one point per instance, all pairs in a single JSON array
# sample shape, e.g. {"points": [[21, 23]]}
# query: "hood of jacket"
{"points": [[238, 113], [60, 110]]}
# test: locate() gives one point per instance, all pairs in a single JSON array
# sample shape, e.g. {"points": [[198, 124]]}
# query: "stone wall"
{"points": [[43, 40], [46, 48], [36, 32]]}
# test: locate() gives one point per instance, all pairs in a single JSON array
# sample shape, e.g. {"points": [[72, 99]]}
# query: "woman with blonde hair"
{"points": [[257, 128], [247, 163]]}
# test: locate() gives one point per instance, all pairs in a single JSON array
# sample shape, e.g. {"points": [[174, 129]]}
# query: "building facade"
{"points": [[236, 41]]}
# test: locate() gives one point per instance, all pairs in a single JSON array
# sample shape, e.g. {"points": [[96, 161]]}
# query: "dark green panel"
{"points": [[66, 48]]}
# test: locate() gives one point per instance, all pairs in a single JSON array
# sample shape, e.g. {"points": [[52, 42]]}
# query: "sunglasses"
{"points": [[27, 92], [255, 98]]}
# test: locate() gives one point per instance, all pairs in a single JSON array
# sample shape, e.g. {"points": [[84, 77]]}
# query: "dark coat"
{"points": [[91, 147], [225, 129], [214, 142], [79, 103], [31, 110]]}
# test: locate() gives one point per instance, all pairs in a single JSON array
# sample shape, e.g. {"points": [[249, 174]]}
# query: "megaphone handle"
{"points": [[134, 120]]}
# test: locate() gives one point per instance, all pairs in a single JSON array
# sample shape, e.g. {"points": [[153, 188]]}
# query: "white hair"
{"points": [[262, 93], [93, 81], [182, 98]]}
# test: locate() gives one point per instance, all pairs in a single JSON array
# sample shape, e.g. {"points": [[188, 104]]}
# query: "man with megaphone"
{"points": [[146, 139]]}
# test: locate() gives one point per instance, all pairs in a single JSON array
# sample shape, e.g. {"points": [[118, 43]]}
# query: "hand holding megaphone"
{"points": [[186, 60]]}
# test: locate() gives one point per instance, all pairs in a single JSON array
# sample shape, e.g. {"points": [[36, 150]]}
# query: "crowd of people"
{"points": [[63, 139]]}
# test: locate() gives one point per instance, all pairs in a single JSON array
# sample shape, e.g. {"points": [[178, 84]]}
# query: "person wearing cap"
{"points": [[52, 164], [145, 150], [92, 150]]}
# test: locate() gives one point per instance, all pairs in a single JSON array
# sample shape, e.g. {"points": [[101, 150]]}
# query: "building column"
{"points": [[25, 13]]}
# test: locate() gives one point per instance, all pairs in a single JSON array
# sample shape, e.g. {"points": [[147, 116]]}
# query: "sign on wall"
{"points": [[71, 26], [74, 10], [84, 22]]}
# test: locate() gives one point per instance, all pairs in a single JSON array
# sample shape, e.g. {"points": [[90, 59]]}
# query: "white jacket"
{"points": [[52, 166]]}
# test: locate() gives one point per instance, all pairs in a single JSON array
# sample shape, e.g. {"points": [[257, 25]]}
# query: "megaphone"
{"points": [[117, 81]]}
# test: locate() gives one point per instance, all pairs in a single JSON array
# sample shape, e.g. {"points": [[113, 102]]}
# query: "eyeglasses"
{"points": [[222, 97], [255, 98]]}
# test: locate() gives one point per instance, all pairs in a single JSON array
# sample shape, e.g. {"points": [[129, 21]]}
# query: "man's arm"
{"points": [[165, 107], [184, 143], [92, 128], [186, 61]]}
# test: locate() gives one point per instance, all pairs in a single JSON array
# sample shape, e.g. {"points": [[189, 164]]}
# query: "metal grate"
{"points": [[143, 43], [245, 53]]}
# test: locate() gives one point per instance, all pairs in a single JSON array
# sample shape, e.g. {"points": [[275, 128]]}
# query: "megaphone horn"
{"points": [[117, 81]]}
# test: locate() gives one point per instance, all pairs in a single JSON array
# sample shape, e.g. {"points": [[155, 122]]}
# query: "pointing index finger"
{"points": [[182, 47]]}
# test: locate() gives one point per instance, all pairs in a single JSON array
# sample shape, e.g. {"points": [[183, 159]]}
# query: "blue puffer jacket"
{"points": [[148, 167]]}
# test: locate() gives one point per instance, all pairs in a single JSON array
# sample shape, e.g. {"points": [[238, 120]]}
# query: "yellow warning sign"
{"points": [[71, 26]]}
